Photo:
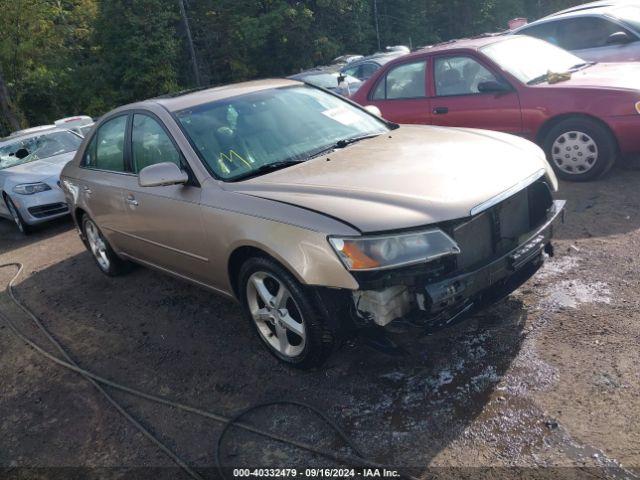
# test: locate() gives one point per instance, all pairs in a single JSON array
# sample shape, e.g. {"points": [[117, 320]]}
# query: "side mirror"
{"points": [[22, 153], [161, 175], [618, 38], [373, 109], [493, 86], [341, 79]]}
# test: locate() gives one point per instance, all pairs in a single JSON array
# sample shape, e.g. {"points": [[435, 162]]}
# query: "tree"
{"points": [[136, 49], [9, 118], [65, 57]]}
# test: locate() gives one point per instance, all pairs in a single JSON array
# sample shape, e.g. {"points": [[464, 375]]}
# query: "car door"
{"points": [[459, 101], [401, 93], [165, 224], [102, 173]]}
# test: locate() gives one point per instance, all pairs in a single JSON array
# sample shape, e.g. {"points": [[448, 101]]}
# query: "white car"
{"points": [[598, 32], [30, 166], [80, 124]]}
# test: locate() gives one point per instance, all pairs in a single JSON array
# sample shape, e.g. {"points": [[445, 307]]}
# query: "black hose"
{"points": [[236, 419], [97, 381]]}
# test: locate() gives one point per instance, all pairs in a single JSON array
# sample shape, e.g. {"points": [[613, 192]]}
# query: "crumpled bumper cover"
{"points": [[460, 293]]}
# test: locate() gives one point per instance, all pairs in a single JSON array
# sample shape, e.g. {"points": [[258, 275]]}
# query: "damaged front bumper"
{"points": [[458, 293]]}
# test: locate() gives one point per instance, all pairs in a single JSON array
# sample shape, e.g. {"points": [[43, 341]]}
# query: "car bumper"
{"points": [[41, 207], [449, 299]]}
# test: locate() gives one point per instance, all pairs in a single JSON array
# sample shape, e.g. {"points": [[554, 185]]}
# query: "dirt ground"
{"points": [[547, 378]]}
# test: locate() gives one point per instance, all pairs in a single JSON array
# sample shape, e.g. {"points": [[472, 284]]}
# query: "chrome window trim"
{"points": [[507, 193]]}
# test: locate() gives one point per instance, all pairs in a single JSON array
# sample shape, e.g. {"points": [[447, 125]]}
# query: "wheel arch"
{"points": [[241, 254], [78, 214], [4, 196]]}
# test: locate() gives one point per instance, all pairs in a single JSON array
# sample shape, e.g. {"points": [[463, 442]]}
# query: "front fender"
{"points": [[303, 250]]}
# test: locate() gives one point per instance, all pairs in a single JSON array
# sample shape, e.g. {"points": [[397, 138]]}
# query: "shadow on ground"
{"points": [[11, 238], [161, 335]]}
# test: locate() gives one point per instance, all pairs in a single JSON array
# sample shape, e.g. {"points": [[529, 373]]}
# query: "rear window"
{"points": [[403, 81]]}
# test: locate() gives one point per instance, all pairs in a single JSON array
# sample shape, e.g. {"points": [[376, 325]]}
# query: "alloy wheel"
{"points": [[574, 153], [276, 314], [97, 245]]}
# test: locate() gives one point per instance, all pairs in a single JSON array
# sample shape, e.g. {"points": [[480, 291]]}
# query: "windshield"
{"points": [[239, 136], [528, 58], [630, 15], [36, 148]]}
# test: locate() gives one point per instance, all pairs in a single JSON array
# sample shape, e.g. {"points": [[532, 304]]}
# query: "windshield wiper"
{"points": [[344, 143], [545, 76], [540, 79], [581, 66], [268, 168]]}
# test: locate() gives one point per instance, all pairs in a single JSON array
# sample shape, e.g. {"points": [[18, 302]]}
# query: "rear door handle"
{"points": [[131, 200], [440, 110]]}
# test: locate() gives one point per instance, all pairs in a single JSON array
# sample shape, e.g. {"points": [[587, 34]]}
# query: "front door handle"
{"points": [[131, 200], [87, 190], [440, 110]]}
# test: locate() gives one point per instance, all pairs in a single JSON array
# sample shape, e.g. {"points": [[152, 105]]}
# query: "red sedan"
{"points": [[583, 114]]}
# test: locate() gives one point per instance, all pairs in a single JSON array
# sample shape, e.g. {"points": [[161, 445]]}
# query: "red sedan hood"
{"points": [[613, 75]]}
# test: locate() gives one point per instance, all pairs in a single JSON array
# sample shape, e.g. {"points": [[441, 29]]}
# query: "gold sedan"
{"points": [[318, 216]]}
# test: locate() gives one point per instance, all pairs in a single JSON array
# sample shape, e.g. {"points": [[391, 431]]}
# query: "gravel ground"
{"points": [[547, 378]]}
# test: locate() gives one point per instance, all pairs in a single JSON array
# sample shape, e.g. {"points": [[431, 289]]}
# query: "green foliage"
{"points": [[64, 57]]}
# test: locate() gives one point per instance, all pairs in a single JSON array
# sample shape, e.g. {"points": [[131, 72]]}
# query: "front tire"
{"points": [[284, 315], [580, 149], [108, 262], [23, 226]]}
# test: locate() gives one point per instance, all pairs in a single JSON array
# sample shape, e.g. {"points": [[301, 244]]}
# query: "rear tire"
{"points": [[107, 260], [23, 226], [284, 315], [580, 149]]}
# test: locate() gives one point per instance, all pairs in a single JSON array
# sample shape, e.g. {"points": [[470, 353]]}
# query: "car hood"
{"points": [[410, 177], [38, 170], [612, 75]]}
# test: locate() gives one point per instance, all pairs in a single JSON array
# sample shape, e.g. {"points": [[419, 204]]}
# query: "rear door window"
{"points": [[106, 150], [403, 81]]}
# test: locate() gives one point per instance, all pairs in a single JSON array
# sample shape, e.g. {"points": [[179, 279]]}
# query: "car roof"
{"points": [[590, 7], [597, 8], [181, 101], [32, 134], [27, 131], [475, 43], [381, 58]]}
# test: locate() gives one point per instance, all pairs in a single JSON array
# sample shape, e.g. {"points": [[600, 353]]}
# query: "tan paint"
{"points": [[410, 178]]}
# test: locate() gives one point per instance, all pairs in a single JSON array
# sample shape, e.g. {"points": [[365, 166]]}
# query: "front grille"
{"points": [[43, 211], [500, 229]]}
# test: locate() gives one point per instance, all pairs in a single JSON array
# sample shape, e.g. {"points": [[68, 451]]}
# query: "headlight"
{"points": [[31, 188], [384, 252]]}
